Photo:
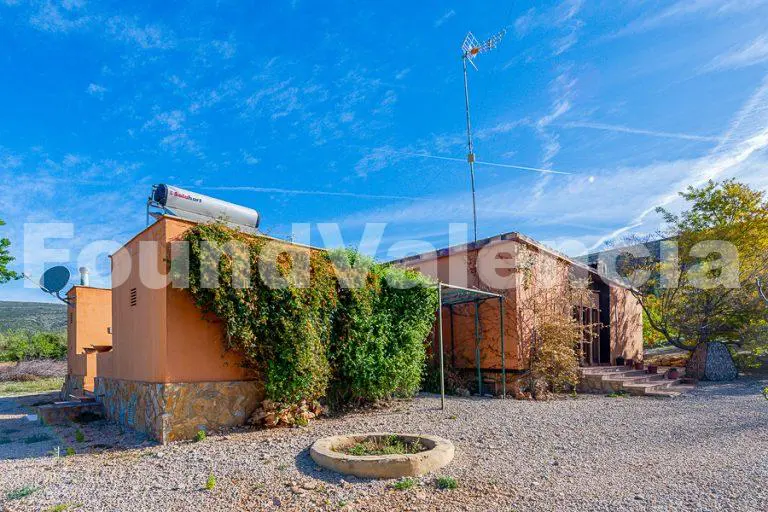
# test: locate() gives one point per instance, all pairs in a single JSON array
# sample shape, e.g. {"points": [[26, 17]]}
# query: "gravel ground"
{"points": [[707, 450]]}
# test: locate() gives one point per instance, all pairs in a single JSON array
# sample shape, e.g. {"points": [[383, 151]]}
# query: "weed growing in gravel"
{"points": [[79, 436], [22, 492], [391, 445], [618, 394], [342, 503], [211, 482], [36, 438], [404, 484], [59, 508], [200, 436], [765, 392], [446, 482], [69, 451]]}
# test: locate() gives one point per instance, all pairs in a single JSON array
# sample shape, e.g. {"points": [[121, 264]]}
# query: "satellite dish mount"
{"points": [[53, 281]]}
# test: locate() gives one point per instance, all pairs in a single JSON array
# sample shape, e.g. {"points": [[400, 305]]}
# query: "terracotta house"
{"points": [[518, 268], [167, 373], [158, 366]]}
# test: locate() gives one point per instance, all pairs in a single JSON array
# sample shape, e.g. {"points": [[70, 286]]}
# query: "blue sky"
{"points": [[313, 112]]}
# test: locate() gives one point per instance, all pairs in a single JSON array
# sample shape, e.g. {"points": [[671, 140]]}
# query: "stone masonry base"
{"points": [[174, 411]]}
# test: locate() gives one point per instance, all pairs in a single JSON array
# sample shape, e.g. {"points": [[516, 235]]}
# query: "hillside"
{"points": [[34, 316]]}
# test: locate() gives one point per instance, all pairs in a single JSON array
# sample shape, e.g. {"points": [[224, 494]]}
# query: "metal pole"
{"points": [[477, 349], [471, 155], [440, 338], [503, 362], [453, 337]]}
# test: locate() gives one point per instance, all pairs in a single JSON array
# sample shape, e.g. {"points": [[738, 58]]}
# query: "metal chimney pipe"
{"points": [[84, 278]]}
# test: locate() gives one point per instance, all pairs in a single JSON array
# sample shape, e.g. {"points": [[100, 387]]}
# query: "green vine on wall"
{"points": [[295, 322]]}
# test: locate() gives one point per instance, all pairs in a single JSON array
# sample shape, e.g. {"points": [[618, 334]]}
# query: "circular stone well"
{"points": [[438, 453]]}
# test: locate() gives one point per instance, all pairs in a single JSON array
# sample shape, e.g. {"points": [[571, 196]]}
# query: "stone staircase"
{"points": [[617, 379]]}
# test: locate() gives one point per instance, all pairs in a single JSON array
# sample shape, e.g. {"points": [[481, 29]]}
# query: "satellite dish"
{"points": [[55, 279]]}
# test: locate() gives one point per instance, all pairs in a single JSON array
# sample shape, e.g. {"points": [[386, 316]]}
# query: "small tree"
{"points": [[706, 295], [546, 324], [5, 259]]}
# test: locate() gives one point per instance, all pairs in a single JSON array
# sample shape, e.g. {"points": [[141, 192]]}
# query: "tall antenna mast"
{"points": [[470, 49]]}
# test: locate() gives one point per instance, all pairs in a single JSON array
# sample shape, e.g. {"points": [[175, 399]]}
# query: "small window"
{"points": [[133, 297]]}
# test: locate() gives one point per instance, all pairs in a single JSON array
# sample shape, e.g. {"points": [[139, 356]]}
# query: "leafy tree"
{"points": [[5, 259], [705, 295]]}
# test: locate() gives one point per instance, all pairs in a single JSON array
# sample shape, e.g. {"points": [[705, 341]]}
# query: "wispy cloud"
{"points": [[638, 131], [686, 8], [753, 53], [729, 156], [291, 191], [96, 90], [563, 88], [445, 17], [129, 30], [59, 17]]}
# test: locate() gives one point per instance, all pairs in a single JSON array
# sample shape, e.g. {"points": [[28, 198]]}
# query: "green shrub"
{"points": [[404, 484], [69, 451], [79, 436], [200, 436], [446, 482], [317, 339], [210, 483], [21, 345], [22, 492], [377, 349]]}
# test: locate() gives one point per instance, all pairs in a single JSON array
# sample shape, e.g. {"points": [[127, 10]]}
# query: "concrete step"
{"points": [[63, 413], [635, 378], [642, 388]]}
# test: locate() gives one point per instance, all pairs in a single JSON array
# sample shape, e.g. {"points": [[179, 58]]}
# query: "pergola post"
{"points": [[440, 339], [503, 362]]}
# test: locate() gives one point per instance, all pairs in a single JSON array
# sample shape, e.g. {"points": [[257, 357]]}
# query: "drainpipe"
{"points": [[84, 278]]}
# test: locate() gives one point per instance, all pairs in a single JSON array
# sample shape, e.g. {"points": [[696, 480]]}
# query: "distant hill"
{"points": [[33, 316]]}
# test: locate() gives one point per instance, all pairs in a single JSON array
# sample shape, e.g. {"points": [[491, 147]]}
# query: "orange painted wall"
{"points": [[164, 337], [626, 325], [139, 333], [503, 264], [88, 324], [459, 269]]}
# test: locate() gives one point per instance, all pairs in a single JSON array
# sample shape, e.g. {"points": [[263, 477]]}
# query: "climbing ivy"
{"points": [[310, 336]]}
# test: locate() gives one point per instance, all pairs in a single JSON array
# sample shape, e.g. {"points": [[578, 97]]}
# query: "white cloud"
{"points": [[523, 24], [402, 73], [96, 90], [128, 30], [249, 159], [51, 17], [638, 131], [445, 17], [754, 53], [172, 120]]}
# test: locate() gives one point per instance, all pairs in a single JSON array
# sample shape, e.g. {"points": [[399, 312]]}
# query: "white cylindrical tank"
{"points": [[199, 207]]}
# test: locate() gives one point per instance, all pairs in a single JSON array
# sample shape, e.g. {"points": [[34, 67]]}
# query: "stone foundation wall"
{"points": [[73, 386], [174, 411]]}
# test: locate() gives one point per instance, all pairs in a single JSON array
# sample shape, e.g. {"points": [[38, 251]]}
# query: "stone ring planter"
{"points": [[438, 453]]}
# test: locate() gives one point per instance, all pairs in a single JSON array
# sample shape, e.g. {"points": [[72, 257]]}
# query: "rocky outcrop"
{"points": [[173, 411], [711, 361]]}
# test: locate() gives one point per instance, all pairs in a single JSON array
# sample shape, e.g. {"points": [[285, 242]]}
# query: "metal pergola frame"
{"points": [[451, 295]]}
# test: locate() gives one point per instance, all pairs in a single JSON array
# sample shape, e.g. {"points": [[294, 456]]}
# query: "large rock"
{"points": [[711, 361]]}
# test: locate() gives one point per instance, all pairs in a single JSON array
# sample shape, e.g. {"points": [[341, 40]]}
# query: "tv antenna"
{"points": [[470, 49]]}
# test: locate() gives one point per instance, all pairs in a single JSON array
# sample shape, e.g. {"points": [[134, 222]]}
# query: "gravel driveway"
{"points": [[704, 451]]}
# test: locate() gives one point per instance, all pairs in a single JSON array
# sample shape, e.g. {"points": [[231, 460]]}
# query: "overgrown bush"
{"points": [[288, 311], [377, 349], [22, 345]]}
